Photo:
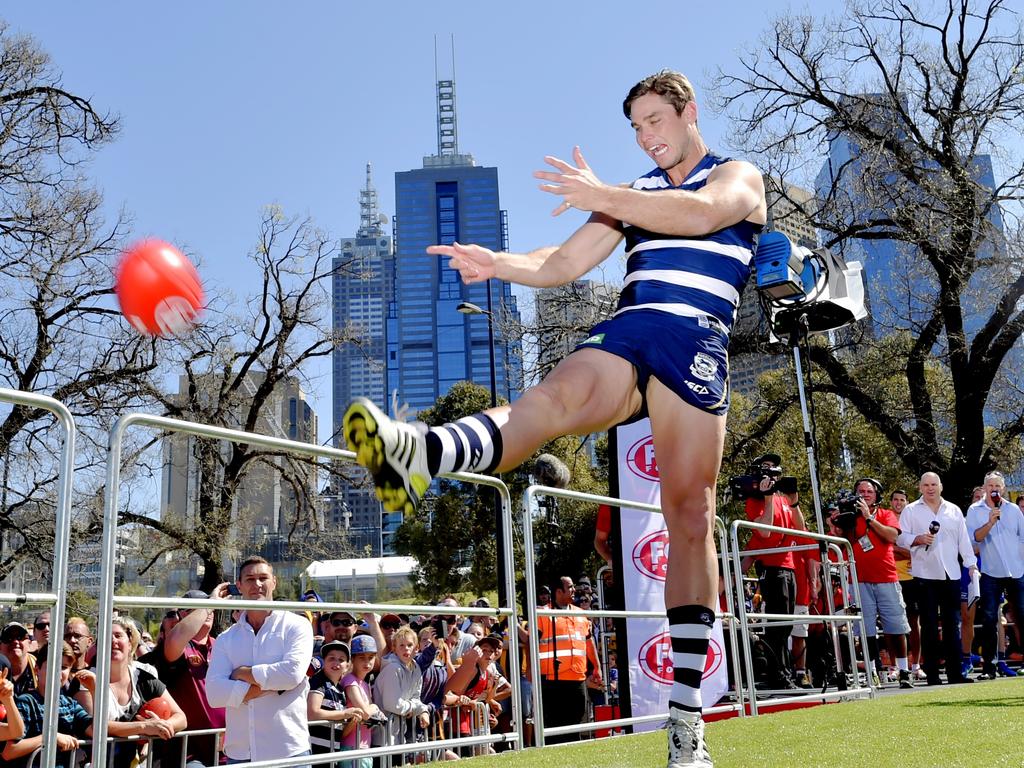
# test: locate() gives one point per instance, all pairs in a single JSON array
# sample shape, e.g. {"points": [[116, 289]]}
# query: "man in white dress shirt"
{"points": [[998, 526], [258, 674], [935, 532]]}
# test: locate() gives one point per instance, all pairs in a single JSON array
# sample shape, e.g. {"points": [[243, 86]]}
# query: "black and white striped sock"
{"points": [[472, 444], [690, 628]]}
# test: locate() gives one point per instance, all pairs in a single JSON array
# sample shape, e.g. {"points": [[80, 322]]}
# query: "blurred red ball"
{"points": [[158, 288], [158, 707]]}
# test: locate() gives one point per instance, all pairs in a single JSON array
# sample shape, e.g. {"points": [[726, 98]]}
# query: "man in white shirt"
{"points": [[934, 531], [998, 526], [258, 674]]}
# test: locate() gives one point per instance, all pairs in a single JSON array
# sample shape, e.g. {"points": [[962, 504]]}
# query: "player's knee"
{"points": [[688, 516]]}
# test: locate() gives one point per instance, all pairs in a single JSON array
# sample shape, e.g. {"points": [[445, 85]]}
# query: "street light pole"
{"points": [[468, 308]]}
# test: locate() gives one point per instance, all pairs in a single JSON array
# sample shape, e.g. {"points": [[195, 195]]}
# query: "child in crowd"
{"points": [[327, 701], [357, 695], [398, 687], [73, 722]]}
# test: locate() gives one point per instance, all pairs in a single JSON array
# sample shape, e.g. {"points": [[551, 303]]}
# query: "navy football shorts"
{"points": [[688, 355]]}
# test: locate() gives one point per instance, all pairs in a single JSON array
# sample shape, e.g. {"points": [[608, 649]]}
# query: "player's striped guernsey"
{"points": [[688, 276]]}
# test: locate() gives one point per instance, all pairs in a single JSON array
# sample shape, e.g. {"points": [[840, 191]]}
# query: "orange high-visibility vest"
{"points": [[563, 647]]}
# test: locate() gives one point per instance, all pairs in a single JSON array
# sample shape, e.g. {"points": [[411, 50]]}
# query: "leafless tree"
{"points": [[921, 93], [62, 335], [234, 369]]}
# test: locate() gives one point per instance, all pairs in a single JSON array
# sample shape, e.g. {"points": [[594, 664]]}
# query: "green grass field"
{"points": [[969, 726]]}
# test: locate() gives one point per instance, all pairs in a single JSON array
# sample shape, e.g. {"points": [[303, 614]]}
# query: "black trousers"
{"points": [[940, 601], [778, 589], [565, 703]]}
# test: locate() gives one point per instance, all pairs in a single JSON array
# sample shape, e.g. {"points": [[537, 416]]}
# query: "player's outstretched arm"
{"points": [[545, 267], [734, 192]]}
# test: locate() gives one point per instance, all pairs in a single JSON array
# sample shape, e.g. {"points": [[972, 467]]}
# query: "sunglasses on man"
{"points": [[342, 622], [389, 625]]}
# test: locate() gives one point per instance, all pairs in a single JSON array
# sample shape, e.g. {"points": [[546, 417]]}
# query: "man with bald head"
{"points": [[935, 532]]}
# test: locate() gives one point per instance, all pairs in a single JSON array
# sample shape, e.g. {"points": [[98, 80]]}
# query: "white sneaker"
{"points": [[393, 451], [686, 748]]}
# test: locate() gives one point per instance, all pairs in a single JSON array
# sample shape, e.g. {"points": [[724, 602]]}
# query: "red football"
{"points": [[158, 288], [158, 707]]}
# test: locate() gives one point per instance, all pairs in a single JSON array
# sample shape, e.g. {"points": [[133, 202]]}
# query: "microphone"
{"points": [[996, 499], [933, 528], [551, 471]]}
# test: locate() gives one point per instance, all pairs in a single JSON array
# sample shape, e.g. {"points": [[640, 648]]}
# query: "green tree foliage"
{"points": [[921, 92]]}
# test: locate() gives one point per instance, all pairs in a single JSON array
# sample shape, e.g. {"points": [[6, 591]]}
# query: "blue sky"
{"points": [[227, 107]]}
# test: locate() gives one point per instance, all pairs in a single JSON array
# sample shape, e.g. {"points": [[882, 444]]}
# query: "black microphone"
{"points": [[996, 499], [933, 528]]}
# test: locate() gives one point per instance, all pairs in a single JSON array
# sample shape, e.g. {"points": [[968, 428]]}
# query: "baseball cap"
{"points": [[492, 640], [391, 618], [334, 645], [195, 594], [482, 602], [312, 593], [342, 614], [360, 644], [14, 629]]}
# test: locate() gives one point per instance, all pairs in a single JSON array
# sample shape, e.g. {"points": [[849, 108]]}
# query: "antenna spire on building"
{"points": [[369, 216], [447, 120]]}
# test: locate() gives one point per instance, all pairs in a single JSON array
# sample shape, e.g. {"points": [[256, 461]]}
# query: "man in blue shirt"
{"points": [[997, 525]]}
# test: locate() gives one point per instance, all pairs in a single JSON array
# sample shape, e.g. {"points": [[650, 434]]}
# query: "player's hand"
{"points": [[474, 262], [577, 185], [863, 508]]}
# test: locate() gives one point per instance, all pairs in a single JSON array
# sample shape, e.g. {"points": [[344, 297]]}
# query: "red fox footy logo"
{"points": [[650, 555], [640, 459], [655, 659]]}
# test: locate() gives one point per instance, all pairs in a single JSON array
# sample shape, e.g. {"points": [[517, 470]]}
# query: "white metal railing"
{"points": [[533, 612], [55, 599], [108, 601], [831, 619]]}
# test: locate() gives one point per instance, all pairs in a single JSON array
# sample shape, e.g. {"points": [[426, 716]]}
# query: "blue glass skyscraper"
{"points": [[430, 344]]}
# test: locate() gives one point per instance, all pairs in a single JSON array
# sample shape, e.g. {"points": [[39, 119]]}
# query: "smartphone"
{"points": [[233, 591]]}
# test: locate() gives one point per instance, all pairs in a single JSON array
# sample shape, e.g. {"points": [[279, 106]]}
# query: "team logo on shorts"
{"points": [[597, 338], [704, 367]]}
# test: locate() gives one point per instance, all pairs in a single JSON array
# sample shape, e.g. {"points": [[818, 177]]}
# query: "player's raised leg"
{"points": [[688, 445], [589, 391]]}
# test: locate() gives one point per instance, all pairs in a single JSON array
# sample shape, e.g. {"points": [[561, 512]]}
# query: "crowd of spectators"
{"points": [[922, 569], [277, 684]]}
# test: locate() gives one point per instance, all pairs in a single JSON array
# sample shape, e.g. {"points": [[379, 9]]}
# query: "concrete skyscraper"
{"points": [[430, 344], [360, 296]]}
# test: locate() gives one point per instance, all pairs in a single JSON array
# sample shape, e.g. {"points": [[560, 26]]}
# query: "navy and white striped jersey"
{"points": [[687, 276]]}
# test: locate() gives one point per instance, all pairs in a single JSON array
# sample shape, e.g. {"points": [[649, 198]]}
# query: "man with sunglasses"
{"points": [[41, 630]]}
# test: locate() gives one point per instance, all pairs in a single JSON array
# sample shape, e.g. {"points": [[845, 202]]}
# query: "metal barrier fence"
{"points": [[831, 619], [54, 599], [732, 617], [108, 601], [531, 610]]}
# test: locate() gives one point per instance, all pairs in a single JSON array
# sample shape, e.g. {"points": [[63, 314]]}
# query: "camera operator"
{"points": [[872, 530], [777, 570]]}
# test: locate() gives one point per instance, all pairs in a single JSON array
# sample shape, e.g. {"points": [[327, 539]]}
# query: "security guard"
{"points": [[566, 645]]}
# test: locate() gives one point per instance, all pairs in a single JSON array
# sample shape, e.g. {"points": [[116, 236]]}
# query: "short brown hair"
{"points": [[672, 86], [253, 560]]}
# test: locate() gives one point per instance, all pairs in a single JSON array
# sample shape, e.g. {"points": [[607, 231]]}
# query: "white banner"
{"points": [[644, 542]]}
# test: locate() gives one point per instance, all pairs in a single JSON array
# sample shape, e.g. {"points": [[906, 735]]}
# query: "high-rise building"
{"points": [[785, 215], [430, 344], [565, 314], [860, 185], [266, 508], [359, 300]]}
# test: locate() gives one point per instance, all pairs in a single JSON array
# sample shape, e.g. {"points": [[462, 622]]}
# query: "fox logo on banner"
{"points": [[645, 550]]}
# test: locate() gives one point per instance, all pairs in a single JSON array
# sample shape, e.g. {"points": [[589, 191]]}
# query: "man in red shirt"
{"points": [[873, 536], [776, 570]]}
